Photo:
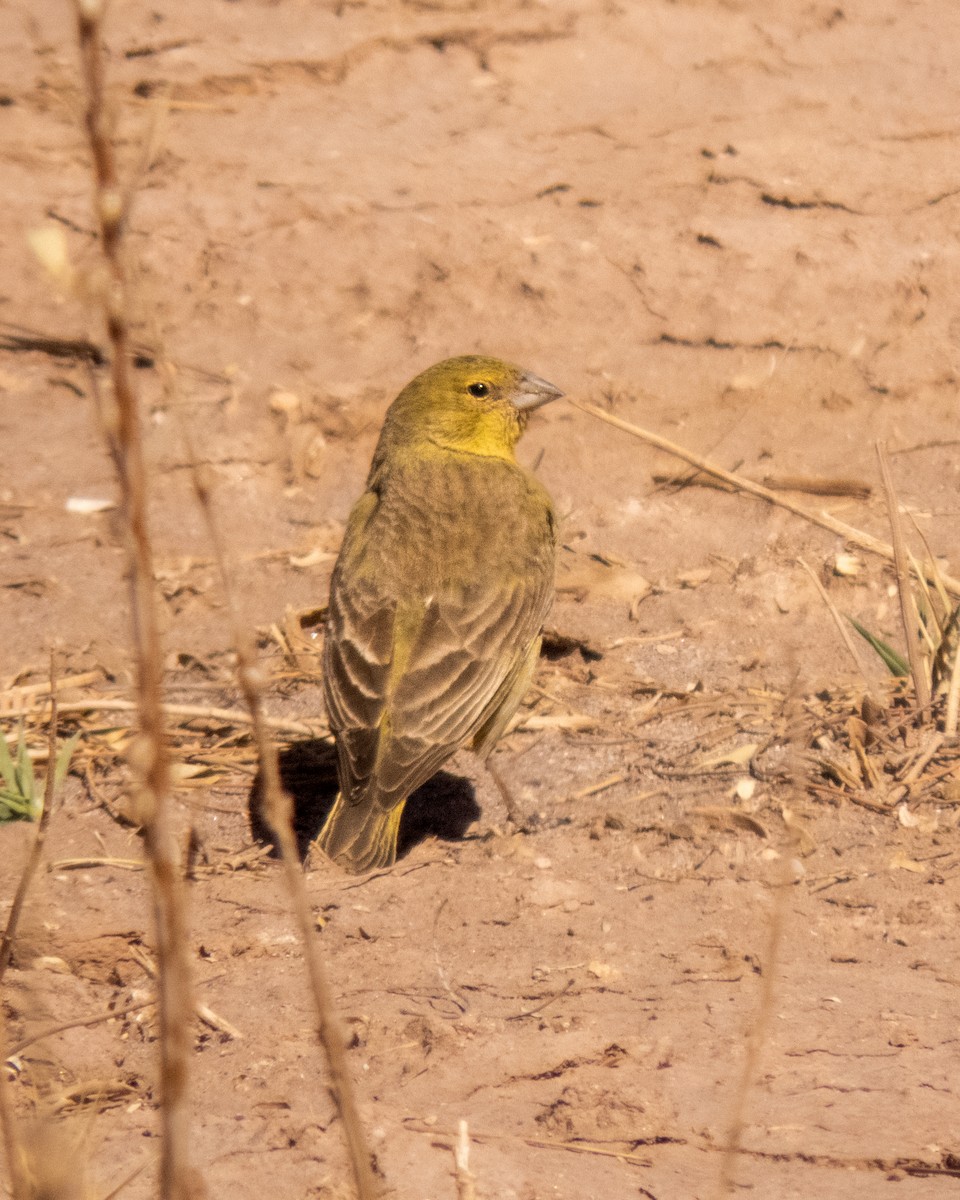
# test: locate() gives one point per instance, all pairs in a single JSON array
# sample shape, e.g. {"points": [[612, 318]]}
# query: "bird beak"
{"points": [[534, 392]]}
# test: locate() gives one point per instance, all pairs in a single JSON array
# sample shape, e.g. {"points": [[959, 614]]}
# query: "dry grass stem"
{"points": [[80, 864], [818, 485], [837, 619], [755, 1041], [80, 349], [580, 1147], [22, 691], [855, 536], [278, 809], [36, 850], [795, 737], [908, 604], [814, 486], [953, 700], [80, 1023], [126, 1180], [461, 1159], [595, 788], [215, 1021], [459, 1002], [201, 712], [279, 813], [14, 1151], [923, 759], [176, 1008]]}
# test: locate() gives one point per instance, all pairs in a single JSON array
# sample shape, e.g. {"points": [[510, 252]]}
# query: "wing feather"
{"points": [[409, 679]]}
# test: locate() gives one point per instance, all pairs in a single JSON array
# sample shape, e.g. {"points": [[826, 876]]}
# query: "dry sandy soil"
{"points": [[733, 222]]}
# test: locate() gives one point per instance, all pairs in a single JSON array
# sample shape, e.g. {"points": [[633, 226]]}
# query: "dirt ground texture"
{"points": [[732, 222]]}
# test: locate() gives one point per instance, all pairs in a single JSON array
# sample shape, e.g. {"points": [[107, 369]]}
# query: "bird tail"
{"points": [[361, 837]]}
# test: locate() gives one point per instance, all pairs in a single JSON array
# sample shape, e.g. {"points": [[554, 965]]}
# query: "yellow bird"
{"points": [[438, 596]]}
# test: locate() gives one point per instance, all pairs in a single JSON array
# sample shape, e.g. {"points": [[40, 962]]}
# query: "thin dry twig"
{"points": [[278, 809], [233, 716], [923, 759], [952, 713], [818, 485], [795, 737], [837, 619], [58, 347], [127, 1179], [9, 1126], [442, 975], [855, 536], [908, 604], [36, 850], [215, 1021], [580, 1147], [755, 1042], [81, 864], [538, 1008], [204, 1011], [461, 1161], [79, 1023], [176, 1006], [22, 691]]}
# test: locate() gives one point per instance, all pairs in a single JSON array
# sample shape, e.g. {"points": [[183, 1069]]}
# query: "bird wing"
{"points": [[408, 683]]}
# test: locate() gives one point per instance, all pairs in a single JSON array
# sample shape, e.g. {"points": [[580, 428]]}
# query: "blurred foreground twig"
{"points": [[33, 860], [278, 809], [151, 760]]}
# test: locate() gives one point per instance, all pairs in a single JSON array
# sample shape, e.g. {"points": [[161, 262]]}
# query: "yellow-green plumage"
{"points": [[438, 596]]}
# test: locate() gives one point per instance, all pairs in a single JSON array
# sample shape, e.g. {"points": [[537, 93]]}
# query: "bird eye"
{"points": [[478, 389]]}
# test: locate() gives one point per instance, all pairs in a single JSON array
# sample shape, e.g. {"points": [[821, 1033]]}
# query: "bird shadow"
{"points": [[444, 807]]}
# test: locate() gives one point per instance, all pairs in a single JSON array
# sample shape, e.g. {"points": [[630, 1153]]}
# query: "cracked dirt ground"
{"points": [[732, 223]]}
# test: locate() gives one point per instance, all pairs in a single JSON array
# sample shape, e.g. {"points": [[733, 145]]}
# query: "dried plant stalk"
{"points": [[908, 604], [755, 1042], [796, 738], [856, 537], [466, 1180], [952, 714], [837, 619], [36, 850], [232, 716], [151, 761], [278, 808], [279, 813], [14, 1151], [13, 1141]]}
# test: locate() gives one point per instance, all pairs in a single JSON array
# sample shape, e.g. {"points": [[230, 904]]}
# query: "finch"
{"points": [[438, 596]]}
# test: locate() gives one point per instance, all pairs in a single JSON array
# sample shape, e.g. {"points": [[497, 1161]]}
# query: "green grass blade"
{"points": [[14, 807], [895, 663], [25, 781], [7, 769], [63, 759]]}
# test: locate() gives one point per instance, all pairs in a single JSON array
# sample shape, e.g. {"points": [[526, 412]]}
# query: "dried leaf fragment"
{"points": [[571, 721], [727, 817], [602, 970], [805, 840], [737, 757], [85, 505], [312, 559], [694, 579], [902, 862], [847, 565]]}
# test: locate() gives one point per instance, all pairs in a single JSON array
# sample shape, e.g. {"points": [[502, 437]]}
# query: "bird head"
{"points": [[472, 404]]}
